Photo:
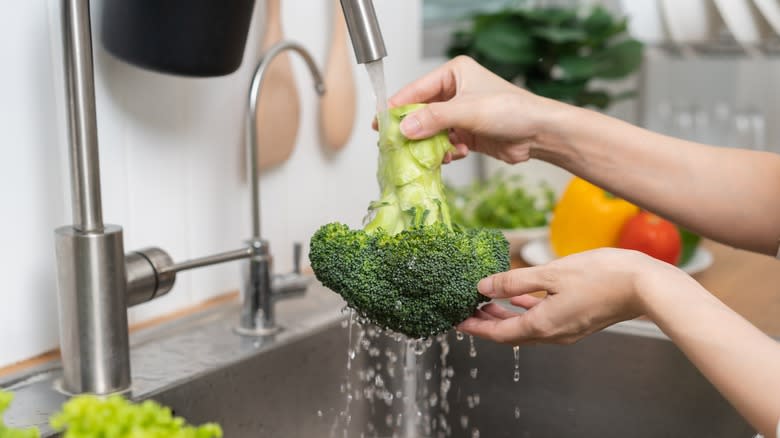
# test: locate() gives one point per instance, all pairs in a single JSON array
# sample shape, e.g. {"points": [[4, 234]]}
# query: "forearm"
{"points": [[740, 360], [729, 195]]}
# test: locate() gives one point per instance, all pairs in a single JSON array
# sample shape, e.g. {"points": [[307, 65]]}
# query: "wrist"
{"points": [[659, 284], [555, 131]]}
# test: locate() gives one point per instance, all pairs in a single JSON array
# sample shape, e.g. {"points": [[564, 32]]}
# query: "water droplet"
{"points": [[516, 376], [428, 375], [472, 349], [476, 399], [516, 356], [319, 413], [433, 399], [475, 433], [470, 402], [464, 421], [419, 347], [459, 335], [473, 372], [517, 412]]}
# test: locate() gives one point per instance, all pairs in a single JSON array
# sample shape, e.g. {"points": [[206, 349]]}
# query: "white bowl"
{"points": [[770, 9], [740, 18], [645, 22], [520, 236], [690, 21], [538, 252]]}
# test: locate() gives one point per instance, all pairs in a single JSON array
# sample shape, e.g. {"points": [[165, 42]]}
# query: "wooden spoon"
{"points": [[278, 108], [337, 106]]}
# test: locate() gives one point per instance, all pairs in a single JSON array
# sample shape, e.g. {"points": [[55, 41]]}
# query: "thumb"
{"points": [[516, 282], [434, 118]]}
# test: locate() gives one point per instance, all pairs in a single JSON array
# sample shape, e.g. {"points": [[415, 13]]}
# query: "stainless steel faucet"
{"points": [[259, 290], [96, 280], [364, 30]]}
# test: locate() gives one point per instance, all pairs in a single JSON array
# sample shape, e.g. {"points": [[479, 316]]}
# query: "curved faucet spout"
{"points": [[251, 137], [260, 289]]}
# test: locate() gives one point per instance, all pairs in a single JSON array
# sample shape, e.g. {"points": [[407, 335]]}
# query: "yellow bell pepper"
{"points": [[587, 217]]}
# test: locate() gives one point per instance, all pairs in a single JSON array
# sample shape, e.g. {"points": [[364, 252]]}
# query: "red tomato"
{"points": [[653, 236]]}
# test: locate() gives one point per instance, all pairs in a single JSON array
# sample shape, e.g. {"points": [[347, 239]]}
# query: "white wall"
{"points": [[171, 161]]}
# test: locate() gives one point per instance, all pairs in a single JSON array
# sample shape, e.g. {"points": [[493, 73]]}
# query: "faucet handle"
{"points": [[297, 254]]}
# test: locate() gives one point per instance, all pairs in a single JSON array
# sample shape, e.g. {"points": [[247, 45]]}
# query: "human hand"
{"points": [[483, 112], [586, 292]]}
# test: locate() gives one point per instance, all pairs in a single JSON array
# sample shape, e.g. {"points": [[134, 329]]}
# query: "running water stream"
{"points": [[392, 377]]}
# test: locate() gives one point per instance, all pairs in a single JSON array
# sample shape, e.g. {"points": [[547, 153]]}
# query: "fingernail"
{"points": [[485, 286], [410, 126]]}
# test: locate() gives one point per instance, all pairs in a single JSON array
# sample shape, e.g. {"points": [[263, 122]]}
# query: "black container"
{"points": [[185, 37]]}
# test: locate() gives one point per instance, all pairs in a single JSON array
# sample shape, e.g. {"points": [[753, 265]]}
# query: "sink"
{"points": [[628, 380]]}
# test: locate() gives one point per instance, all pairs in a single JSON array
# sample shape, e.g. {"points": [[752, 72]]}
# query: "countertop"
{"points": [[748, 283]]}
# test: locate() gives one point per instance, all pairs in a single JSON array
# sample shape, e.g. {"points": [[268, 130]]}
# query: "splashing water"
{"points": [[410, 387]]}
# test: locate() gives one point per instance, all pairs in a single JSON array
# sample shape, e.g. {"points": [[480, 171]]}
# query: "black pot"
{"points": [[185, 37]]}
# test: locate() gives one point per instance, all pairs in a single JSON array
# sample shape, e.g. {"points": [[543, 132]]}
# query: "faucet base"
{"points": [[93, 310], [257, 332]]}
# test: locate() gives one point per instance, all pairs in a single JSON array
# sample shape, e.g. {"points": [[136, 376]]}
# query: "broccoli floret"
{"points": [[409, 270]]}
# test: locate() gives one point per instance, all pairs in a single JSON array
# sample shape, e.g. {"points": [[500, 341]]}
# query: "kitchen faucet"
{"points": [[364, 30], [96, 280], [258, 287]]}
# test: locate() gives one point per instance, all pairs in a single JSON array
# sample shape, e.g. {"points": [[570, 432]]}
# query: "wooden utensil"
{"points": [[278, 108], [337, 106]]}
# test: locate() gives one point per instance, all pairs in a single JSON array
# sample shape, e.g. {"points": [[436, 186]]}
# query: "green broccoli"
{"points": [[409, 270]]}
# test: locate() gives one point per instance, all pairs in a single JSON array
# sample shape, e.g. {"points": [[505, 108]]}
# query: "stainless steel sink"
{"points": [[626, 381]]}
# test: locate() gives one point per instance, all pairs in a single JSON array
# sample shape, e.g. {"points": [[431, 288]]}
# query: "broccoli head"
{"points": [[409, 269]]}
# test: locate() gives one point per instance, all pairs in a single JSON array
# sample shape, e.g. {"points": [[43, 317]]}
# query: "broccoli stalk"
{"points": [[409, 269], [409, 175]]}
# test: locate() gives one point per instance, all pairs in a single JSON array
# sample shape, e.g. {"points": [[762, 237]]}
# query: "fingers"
{"points": [[496, 311], [516, 282], [481, 314], [525, 301], [514, 330], [436, 117], [439, 84]]}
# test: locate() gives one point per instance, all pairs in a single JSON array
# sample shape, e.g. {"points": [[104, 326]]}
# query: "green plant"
{"points": [[410, 269], [89, 416], [501, 202], [557, 51]]}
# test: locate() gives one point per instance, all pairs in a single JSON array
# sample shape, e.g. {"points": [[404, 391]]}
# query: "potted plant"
{"points": [[554, 52]]}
